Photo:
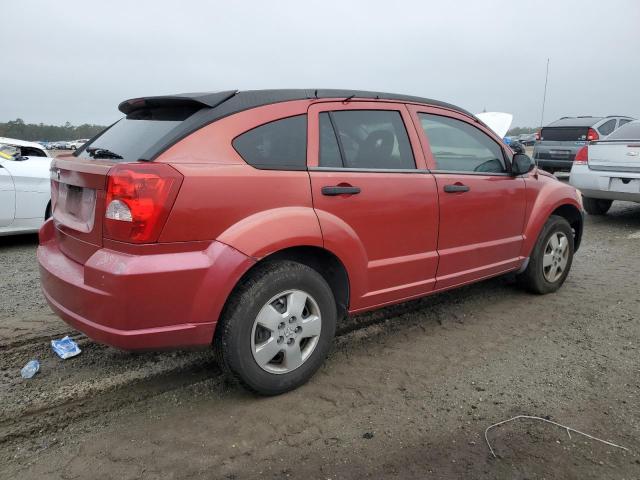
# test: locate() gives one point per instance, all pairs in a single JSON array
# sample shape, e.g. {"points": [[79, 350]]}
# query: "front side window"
{"points": [[622, 121], [607, 127], [32, 152], [365, 139], [277, 145], [459, 147]]}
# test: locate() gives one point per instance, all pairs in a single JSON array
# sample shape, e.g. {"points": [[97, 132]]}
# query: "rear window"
{"points": [[277, 145], [129, 138], [567, 134], [630, 131]]}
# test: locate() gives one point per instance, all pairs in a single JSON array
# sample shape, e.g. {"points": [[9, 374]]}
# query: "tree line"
{"points": [[49, 133], [521, 130]]}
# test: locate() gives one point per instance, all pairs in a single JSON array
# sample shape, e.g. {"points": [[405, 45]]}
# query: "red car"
{"points": [[255, 221]]}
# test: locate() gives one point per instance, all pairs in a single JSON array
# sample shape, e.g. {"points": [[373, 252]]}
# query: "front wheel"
{"points": [[277, 328], [551, 259], [596, 206]]}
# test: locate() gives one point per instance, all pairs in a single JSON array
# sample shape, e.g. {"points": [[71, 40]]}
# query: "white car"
{"points": [[26, 149], [609, 170], [78, 143], [25, 187]]}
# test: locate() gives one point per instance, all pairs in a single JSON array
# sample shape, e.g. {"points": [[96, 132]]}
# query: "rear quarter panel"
{"points": [[223, 198]]}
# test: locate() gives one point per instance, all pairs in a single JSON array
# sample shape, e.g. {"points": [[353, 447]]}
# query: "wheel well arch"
{"points": [[321, 260], [575, 218], [47, 211]]}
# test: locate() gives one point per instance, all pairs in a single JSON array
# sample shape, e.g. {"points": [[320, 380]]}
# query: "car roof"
{"points": [[212, 106], [233, 101], [19, 143], [585, 121]]}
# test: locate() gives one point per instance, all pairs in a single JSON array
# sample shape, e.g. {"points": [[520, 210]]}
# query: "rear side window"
{"points": [[459, 147], [277, 145], [32, 152], [607, 127], [365, 139]]}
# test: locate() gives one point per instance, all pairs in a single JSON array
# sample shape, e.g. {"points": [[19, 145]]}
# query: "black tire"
{"points": [[47, 212], [533, 278], [596, 206], [233, 338]]}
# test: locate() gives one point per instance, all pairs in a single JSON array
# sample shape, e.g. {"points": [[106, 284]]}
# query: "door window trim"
{"points": [[313, 134]]}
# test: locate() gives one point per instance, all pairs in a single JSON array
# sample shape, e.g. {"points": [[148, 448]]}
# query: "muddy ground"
{"points": [[407, 392]]}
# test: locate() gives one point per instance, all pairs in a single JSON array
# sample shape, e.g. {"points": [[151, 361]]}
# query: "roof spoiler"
{"points": [[202, 100]]}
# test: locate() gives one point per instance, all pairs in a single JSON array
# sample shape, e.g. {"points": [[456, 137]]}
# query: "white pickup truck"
{"points": [[609, 170]]}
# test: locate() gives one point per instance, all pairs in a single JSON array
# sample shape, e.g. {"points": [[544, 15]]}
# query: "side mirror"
{"points": [[521, 164]]}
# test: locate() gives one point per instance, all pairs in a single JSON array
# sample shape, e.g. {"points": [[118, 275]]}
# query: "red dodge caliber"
{"points": [[254, 221]]}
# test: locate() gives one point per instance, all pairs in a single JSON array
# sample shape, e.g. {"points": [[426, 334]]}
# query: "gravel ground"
{"points": [[407, 392]]}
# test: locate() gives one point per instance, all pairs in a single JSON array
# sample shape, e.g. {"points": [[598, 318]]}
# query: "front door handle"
{"points": [[456, 188], [340, 190]]}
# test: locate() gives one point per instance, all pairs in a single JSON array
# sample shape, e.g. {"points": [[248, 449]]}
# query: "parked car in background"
{"points": [[25, 190], [559, 141], [78, 143], [608, 170], [258, 220], [527, 139]]}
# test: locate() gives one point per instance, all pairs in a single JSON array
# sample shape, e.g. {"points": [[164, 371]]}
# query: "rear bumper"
{"points": [[597, 184], [141, 302], [555, 163]]}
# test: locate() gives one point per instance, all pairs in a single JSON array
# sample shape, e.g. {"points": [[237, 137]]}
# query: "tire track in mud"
{"points": [[102, 379]]}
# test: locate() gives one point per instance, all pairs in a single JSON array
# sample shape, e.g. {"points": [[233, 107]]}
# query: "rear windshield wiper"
{"points": [[103, 153]]}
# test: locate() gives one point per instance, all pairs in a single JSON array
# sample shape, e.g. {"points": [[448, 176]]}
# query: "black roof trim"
{"points": [[217, 105]]}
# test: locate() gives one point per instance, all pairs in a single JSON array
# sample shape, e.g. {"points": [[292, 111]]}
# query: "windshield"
{"points": [[630, 131]]}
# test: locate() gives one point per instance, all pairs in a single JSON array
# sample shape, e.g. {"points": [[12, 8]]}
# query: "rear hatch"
{"points": [[560, 142], [79, 181], [615, 156]]}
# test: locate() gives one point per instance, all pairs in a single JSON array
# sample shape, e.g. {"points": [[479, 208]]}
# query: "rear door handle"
{"points": [[456, 188], [340, 190]]}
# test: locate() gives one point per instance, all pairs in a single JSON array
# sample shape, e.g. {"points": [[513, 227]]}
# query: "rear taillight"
{"points": [[538, 136], [592, 135], [582, 156], [138, 201]]}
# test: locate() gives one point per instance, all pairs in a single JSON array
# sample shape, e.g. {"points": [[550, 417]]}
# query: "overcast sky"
{"points": [[75, 60]]}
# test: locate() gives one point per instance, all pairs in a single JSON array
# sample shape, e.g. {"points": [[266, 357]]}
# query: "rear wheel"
{"points": [[596, 206], [551, 259], [277, 328]]}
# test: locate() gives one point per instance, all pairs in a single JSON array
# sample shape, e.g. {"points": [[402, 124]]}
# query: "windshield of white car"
{"points": [[630, 131]]}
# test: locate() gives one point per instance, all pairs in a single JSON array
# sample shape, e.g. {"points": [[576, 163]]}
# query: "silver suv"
{"points": [[559, 141]]}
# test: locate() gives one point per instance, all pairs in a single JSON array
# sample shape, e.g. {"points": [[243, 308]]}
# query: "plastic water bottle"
{"points": [[30, 369]]}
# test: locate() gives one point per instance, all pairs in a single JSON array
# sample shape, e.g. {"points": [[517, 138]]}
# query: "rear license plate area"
{"points": [[560, 153], [75, 207], [627, 185]]}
